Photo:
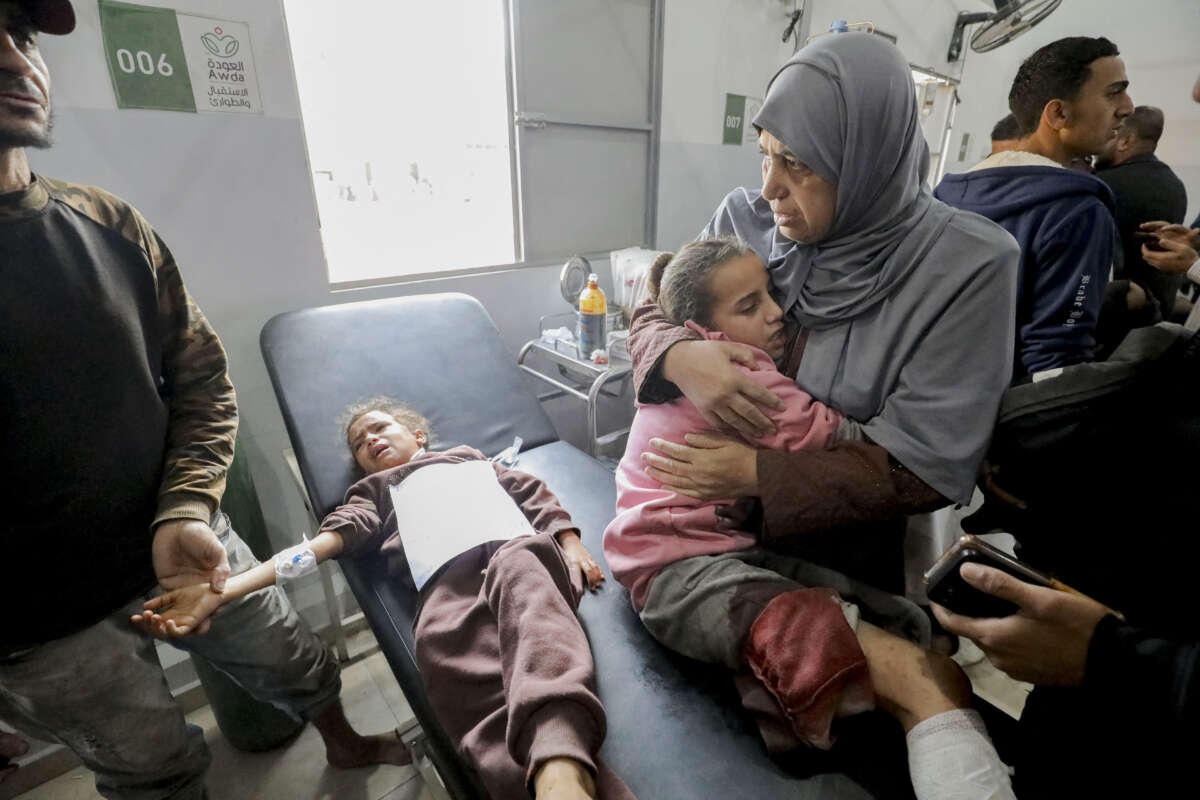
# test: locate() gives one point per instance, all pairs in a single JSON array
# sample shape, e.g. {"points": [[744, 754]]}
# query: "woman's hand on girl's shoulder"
{"points": [[707, 373]]}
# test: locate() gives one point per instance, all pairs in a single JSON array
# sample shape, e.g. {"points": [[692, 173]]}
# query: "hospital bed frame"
{"points": [[675, 727]]}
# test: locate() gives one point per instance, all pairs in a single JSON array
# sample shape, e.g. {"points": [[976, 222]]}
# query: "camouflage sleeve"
{"points": [[202, 423], [203, 409]]}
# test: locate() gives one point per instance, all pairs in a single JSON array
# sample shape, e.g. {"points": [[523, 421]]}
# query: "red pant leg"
{"points": [[807, 657]]}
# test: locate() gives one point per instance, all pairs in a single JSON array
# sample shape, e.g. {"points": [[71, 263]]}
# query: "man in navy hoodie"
{"points": [[1069, 99]]}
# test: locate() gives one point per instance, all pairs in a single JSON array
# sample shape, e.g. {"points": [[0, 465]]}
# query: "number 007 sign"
{"points": [[161, 59]]}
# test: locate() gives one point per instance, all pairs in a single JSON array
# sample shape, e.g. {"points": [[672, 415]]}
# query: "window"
{"points": [[405, 111], [464, 135]]}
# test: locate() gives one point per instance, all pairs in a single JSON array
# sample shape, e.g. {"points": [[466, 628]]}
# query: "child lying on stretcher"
{"points": [[789, 629], [506, 665]]}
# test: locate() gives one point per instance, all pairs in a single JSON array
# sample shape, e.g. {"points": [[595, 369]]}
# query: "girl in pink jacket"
{"points": [[656, 526]]}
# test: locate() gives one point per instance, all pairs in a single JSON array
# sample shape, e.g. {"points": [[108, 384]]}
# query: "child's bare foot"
{"points": [[363, 751], [345, 748], [563, 779]]}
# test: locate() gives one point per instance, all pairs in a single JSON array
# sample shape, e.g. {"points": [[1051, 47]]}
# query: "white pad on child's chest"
{"points": [[444, 510]]}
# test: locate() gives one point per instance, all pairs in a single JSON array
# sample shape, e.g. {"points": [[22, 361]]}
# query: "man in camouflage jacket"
{"points": [[116, 433]]}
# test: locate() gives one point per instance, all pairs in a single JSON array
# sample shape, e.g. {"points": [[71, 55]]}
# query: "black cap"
{"points": [[50, 16]]}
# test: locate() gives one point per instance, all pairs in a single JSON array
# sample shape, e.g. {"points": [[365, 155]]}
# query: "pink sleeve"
{"points": [[804, 423]]}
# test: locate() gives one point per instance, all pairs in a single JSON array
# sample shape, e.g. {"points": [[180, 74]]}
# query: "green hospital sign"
{"points": [[145, 57], [735, 118], [168, 60]]}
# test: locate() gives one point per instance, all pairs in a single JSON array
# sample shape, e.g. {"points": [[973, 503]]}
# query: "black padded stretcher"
{"points": [[675, 728]]}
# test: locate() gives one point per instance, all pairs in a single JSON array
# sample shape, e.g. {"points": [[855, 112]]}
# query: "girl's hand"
{"points": [[579, 558], [707, 467], [707, 374], [179, 612]]}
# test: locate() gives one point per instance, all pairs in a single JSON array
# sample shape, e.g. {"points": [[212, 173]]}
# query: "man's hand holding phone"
{"points": [[946, 587], [1166, 230], [1046, 641], [1169, 248]]}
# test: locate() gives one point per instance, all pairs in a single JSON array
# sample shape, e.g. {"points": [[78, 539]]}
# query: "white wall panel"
{"points": [[588, 187], [603, 74]]}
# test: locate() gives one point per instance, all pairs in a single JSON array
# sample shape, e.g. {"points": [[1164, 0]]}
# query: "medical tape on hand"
{"points": [[295, 562]]}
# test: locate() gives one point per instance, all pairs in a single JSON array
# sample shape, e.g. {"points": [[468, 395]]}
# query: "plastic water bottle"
{"points": [[593, 312]]}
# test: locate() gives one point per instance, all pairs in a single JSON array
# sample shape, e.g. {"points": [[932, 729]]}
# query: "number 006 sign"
{"points": [[160, 59]]}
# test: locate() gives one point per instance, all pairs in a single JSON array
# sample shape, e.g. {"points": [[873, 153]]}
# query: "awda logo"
{"points": [[222, 46]]}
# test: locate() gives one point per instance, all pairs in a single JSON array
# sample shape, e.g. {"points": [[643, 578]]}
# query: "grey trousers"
{"points": [[773, 621], [102, 693], [703, 606]]}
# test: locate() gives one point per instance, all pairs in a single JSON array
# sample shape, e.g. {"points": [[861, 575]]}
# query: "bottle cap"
{"points": [[593, 278]]}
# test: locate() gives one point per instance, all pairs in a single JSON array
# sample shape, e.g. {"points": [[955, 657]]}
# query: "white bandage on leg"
{"points": [[951, 756], [295, 562]]}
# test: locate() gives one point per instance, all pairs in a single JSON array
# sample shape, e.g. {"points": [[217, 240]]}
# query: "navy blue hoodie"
{"points": [[1063, 221]]}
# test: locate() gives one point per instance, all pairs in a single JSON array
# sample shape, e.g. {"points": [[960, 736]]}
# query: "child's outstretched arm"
{"points": [[188, 610]]}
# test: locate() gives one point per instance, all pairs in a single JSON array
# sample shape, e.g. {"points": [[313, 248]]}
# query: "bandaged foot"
{"points": [[951, 756], [363, 751], [563, 779]]}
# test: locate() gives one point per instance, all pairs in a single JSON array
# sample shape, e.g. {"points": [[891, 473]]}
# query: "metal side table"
{"points": [[578, 378]]}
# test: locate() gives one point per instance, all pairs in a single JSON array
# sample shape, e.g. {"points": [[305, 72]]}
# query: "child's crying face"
{"points": [[379, 442]]}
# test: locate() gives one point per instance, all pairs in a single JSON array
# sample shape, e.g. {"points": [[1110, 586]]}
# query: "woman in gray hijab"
{"points": [[904, 309]]}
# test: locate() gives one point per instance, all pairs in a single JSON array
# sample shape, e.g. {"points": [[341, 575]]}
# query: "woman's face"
{"points": [[802, 201], [743, 308]]}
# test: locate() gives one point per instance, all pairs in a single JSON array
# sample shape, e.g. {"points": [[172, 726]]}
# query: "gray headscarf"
{"points": [[909, 303], [846, 106]]}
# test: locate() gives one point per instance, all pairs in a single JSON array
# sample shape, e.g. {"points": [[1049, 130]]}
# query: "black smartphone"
{"points": [[945, 586], [1150, 239]]}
